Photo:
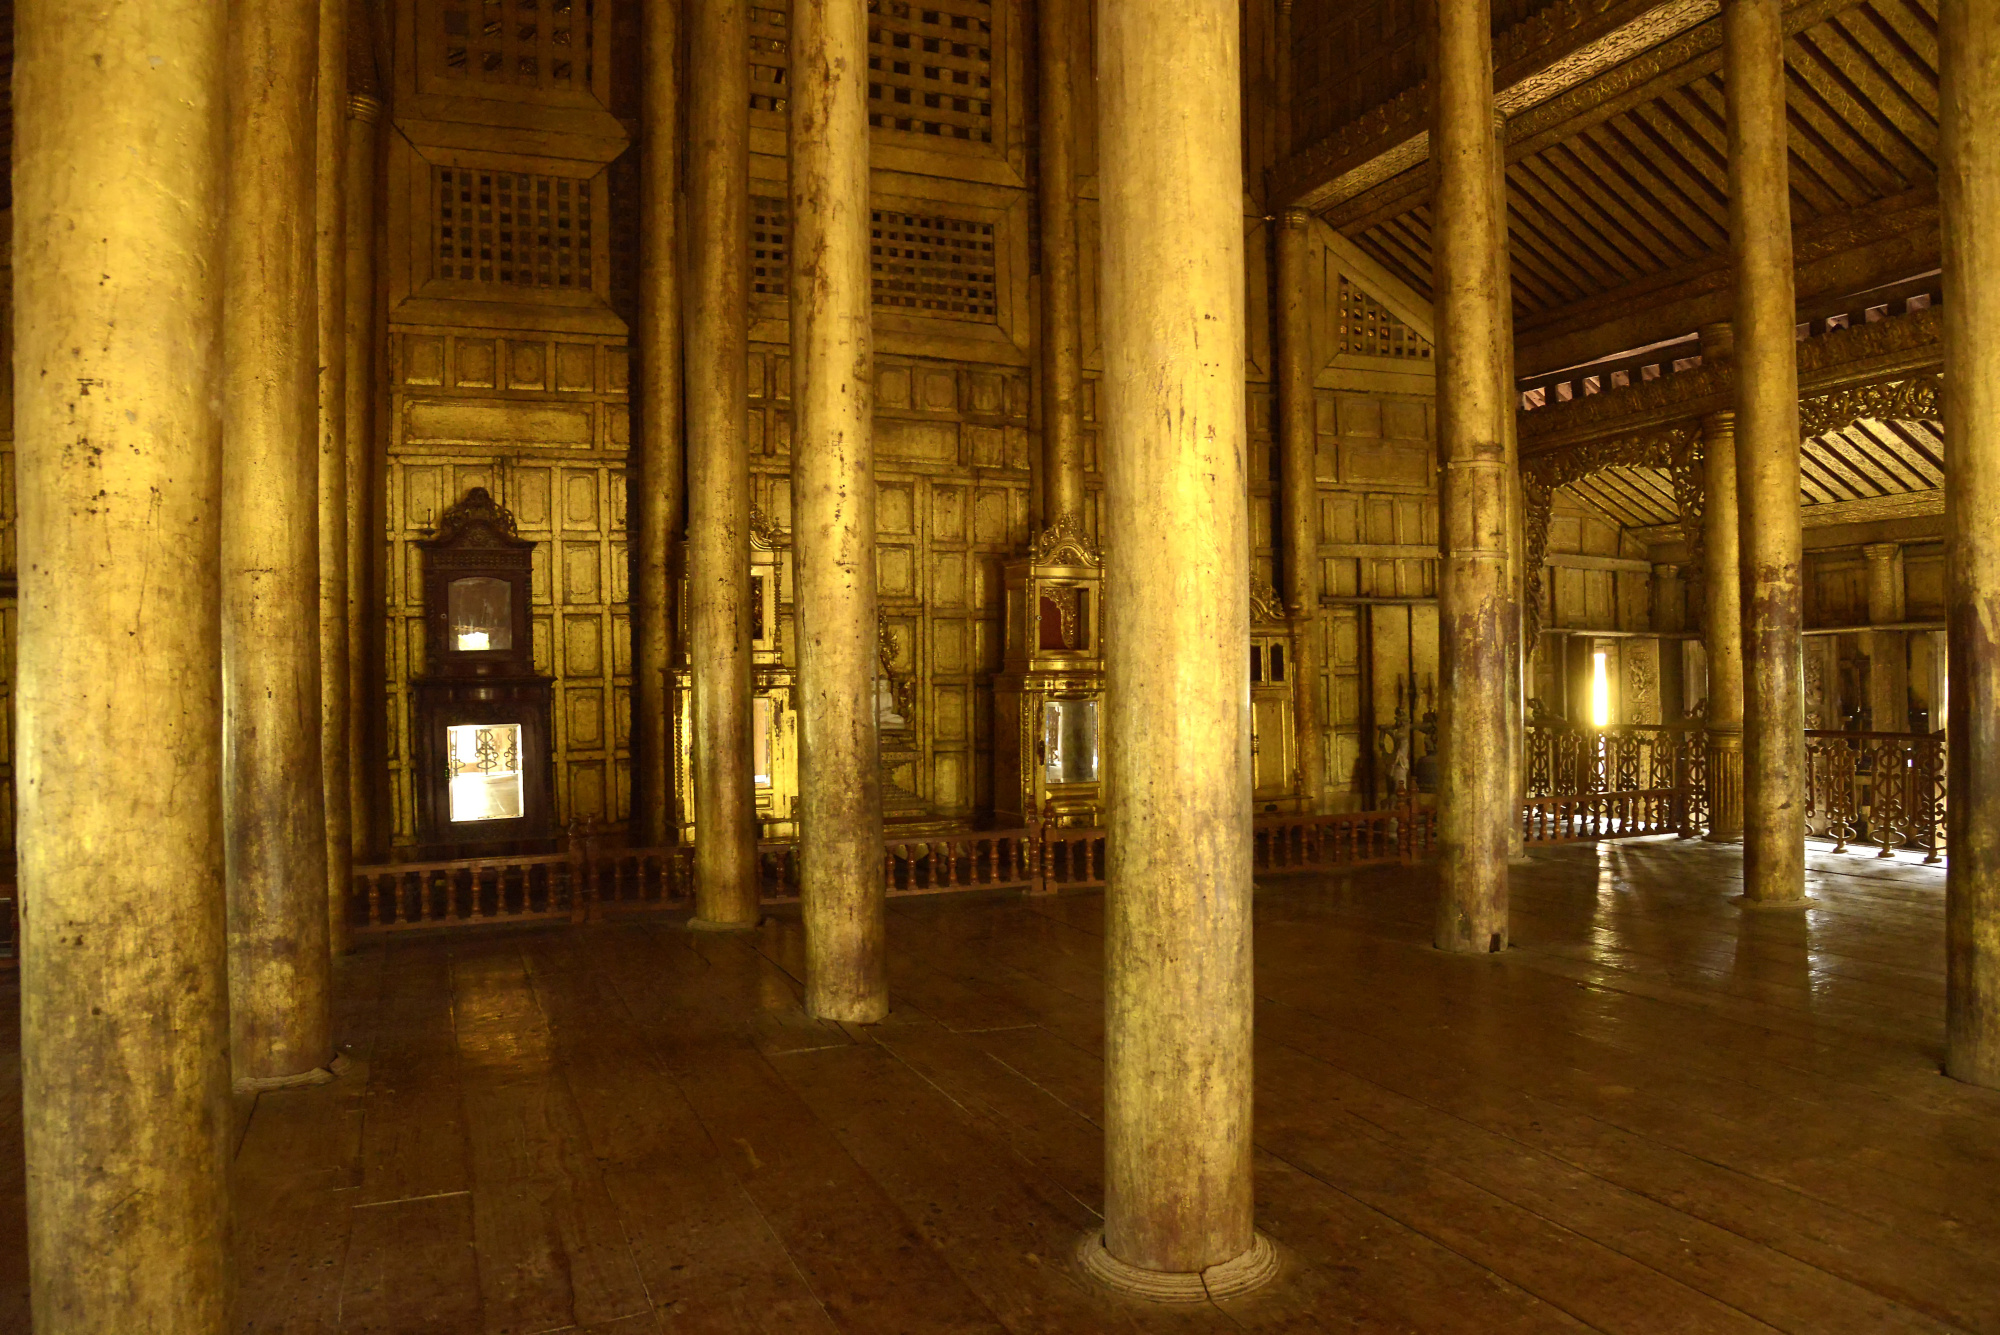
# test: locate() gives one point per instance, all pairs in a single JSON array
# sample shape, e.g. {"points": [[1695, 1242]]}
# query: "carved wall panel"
{"points": [[542, 423]]}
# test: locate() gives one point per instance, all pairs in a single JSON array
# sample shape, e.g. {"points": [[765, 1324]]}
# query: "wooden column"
{"points": [[1767, 454], [1298, 452], [1969, 186], [841, 892], [1888, 650], [1177, 944], [1722, 624], [718, 466], [1062, 325], [365, 682], [1475, 404], [118, 157], [657, 491], [330, 279], [275, 810]]}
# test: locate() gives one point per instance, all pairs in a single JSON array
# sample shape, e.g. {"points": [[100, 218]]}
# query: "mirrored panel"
{"points": [[484, 762], [481, 612], [1069, 741]]}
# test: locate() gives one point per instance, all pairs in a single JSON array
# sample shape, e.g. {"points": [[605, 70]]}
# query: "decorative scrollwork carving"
{"points": [[477, 520], [1266, 607], [766, 536], [1917, 399], [1064, 543]]}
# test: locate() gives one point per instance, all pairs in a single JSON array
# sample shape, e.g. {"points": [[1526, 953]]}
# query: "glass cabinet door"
{"points": [[484, 762], [1069, 741], [481, 611]]}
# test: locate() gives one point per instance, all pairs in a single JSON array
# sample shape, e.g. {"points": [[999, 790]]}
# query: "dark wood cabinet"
{"points": [[480, 711]]}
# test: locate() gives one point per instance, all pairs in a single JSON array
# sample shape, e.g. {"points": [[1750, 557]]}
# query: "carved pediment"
{"points": [[477, 520], [1064, 543]]}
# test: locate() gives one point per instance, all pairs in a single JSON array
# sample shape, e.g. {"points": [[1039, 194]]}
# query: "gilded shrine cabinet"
{"points": [[1274, 742], [481, 711], [1048, 700]]}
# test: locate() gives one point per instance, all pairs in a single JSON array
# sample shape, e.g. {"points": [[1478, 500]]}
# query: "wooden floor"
{"points": [[1657, 1113]]}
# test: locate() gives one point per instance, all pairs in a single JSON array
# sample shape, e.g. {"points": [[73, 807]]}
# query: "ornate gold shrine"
{"points": [[774, 711], [1048, 701]]}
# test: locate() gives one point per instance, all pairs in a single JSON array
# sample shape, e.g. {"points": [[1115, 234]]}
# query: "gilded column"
{"points": [[1969, 186], [1298, 451], [1767, 454], [364, 482], [330, 279], [718, 466], [658, 492], [273, 804], [1888, 650], [1062, 329], [1475, 404], [841, 893], [1722, 620], [118, 159], [1177, 943]]}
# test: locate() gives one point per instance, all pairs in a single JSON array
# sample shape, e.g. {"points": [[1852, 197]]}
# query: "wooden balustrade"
{"points": [[1885, 789], [1881, 788]]}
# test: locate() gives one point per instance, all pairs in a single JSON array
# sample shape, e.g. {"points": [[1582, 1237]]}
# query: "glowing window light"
{"points": [[1600, 691]]}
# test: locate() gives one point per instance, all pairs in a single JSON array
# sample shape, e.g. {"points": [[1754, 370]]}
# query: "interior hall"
{"points": [[1005, 667]]}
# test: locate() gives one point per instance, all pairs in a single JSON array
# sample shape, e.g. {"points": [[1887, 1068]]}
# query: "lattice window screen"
{"points": [[531, 43], [1367, 327], [769, 61], [513, 228], [935, 265], [770, 246], [930, 66]]}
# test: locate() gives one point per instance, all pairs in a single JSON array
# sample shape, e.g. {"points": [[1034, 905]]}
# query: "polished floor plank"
{"points": [[1658, 1113]]}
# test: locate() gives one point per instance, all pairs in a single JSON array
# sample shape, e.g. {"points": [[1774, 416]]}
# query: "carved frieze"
{"points": [[1064, 543]]}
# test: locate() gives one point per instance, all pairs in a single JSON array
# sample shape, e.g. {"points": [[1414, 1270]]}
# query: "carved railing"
{"points": [[1628, 760], [1630, 814], [1885, 789]]}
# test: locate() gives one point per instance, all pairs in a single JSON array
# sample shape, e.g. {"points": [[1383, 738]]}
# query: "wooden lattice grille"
{"points": [[930, 66], [513, 228], [1367, 327], [770, 247], [935, 265], [528, 43]]}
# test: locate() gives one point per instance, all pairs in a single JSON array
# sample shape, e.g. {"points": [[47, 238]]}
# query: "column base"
{"points": [[1802, 902], [710, 925], [318, 1075], [1228, 1279]]}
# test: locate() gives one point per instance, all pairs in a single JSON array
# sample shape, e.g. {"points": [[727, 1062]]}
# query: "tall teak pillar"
{"points": [[1062, 322], [1177, 943], [280, 971], [1722, 624], [1888, 650], [364, 719], [1969, 183], [330, 281], [841, 893], [1298, 449], [118, 148], [1475, 405], [718, 467], [1767, 454], [657, 492]]}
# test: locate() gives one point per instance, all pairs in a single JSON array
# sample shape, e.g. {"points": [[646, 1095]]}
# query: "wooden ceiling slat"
{"points": [[1701, 106], [1838, 469], [1915, 27], [1533, 290], [1691, 233], [1881, 460], [1839, 127], [1829, 62], [1891, 49], [1850, 44], [1657, 233], [1529, 248], [1921, 439], [1629, 487], [1922, 474], [1658, 485], [1651, 136], [1390, 245], [1585, 220], [1548, 222], [1815, 486], [1590, 491]]}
